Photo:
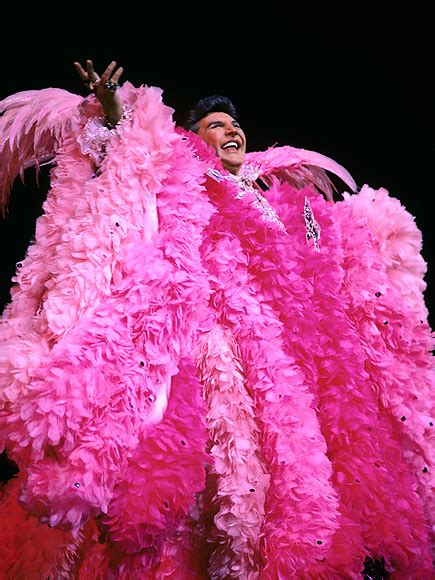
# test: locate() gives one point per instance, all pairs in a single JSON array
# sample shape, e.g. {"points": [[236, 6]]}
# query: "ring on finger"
{"points": [[111, 86], [91, 84]]}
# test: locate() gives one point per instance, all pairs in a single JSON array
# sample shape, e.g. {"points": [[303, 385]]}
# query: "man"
{"points": [[205, 373]]}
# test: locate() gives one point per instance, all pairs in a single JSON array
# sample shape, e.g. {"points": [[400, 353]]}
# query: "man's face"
{"points": [[226, 136]]}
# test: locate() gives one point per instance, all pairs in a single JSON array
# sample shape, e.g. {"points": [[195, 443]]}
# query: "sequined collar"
{"points": [[244, 181], [245, 184]]}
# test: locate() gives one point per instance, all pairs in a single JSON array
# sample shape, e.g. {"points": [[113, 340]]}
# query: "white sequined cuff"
{"points": [[97, 132]]}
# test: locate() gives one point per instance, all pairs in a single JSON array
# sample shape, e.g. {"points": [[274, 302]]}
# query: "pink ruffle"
{"points": [[238, 466], [388, 310]]}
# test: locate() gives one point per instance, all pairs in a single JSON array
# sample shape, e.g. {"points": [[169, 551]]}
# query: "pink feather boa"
{"points": [[188, 389]]}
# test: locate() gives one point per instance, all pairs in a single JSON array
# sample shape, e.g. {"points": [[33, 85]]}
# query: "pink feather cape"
{"points": [[188, 389]]}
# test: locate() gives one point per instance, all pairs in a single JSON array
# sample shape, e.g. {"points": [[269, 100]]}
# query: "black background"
{"points": [[357, 86]]}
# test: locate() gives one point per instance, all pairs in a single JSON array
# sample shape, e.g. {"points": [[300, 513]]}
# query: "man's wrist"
{"points": [[112, 122]]}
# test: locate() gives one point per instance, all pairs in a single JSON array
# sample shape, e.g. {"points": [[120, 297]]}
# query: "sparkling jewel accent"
{"points": [[312, 227]]}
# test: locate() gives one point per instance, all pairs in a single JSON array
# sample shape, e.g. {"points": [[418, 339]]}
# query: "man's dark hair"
{"points": [[207, 105]]}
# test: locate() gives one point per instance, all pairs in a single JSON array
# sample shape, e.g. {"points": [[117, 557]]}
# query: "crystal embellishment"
{"points": [[311, 226]]}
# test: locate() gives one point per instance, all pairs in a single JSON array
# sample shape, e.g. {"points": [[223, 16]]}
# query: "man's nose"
{"points": [[230, 129]]}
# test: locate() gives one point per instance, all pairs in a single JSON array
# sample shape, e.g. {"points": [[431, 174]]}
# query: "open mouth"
{"points": [[231, 145]]}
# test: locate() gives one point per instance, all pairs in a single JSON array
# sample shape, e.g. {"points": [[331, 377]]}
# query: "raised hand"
{"points": [[104, 87]]}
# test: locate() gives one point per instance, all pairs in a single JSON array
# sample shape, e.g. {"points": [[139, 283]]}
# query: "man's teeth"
{"points": [[230, 144]]}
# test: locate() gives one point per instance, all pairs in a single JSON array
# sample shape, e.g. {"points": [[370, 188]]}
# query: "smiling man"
{"points": [[214, 119]]}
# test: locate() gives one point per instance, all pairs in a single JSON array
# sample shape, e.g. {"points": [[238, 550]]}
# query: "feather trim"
{"points": [[299, 167], [32, 125], [242, 482], [388, 310]]}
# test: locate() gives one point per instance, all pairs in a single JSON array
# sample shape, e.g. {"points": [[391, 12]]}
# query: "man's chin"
{"points": [[232, 165]]}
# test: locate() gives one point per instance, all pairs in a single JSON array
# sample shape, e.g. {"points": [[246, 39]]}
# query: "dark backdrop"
{"points": [[358, 87]]}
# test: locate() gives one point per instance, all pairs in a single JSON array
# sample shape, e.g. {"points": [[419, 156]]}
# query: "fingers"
{"points": [[108, 72], [90, 75], [117, 74], [86, 75], [83, 74]]}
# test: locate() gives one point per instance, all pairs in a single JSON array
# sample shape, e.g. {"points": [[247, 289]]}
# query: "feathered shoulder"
{"points": [[32, 124], [300, 167]]}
